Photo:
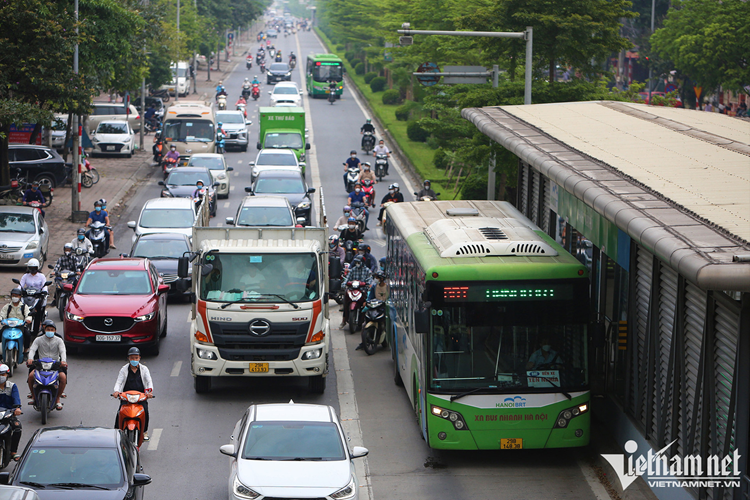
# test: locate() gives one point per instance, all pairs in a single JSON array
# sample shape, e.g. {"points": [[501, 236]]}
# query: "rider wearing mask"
{"points": [[80, 241], [172, 153], [17, 309], [367, 174], [135, 376], [344, 218], [358, 272], [359, 196], [367, 127], [278, 57], [199, 186], [351, 162], [220, 88], [369, 258], [67, 260], [427, 191], [292, 57], [34, 194], [9, 398], [335, 249], [33, 278], [351, 232], [393, 196], [382, 149], [50, 346], [101, 215]]}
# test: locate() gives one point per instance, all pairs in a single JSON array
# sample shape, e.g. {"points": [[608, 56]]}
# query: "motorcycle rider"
{"points": [[150, 115], [393, 196], [255, 80], [351, 232], [17, 309], [381, 290], [220, 89], [292, 57], [382, 149], [344, 218], [199, 187], [367, 127], [173, 153], [101, 215], [427, 191], [34, 194], [34, 279], [335, 249], [9, 398], [278, 57], [351, 162], [359, 196], [80, 241], [135, 376], [67, 260], [51, 346], [358, 272], [367, 174], [369, 259]]}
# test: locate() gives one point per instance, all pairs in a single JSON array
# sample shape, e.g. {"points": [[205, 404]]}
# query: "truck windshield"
{"points": [[327, 71], [284, 140], [189, 130], [261, 278]]}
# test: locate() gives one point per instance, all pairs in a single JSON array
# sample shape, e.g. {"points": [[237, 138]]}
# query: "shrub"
{"points": [[415, 132], [350, 55], [402, 112], [391, 96], [369, 76], [359, 68], [339, 48], [440, 159], [474, 187], [377, 84]]}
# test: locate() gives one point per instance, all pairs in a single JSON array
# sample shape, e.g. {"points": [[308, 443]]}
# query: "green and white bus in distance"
{"points": [[320, 69], [488, 317]]}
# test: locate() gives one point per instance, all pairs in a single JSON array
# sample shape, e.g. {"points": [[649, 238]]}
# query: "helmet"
{"points": [[379, 274], [369, 120], [347, 209], [221, 82], [351, 219], [246, 79], [395, 185], [366, 248], [291, 52], [33, 263], [333, 241], [103, 201], [358, 260], [16, 291], [220, 124], [81, 230], [4, 368], [353, 152], [366, 164], [357, 184], [98, 203], [35, 183], [49, 322], [68, 246], [201, 181], [134, 351], [427, 182]]}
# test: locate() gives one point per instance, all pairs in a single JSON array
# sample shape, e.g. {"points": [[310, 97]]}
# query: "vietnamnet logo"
{"points": [[691, 471], [516, 402]]}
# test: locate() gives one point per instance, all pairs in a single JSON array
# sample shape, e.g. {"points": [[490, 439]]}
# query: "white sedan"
{"points": [[113, 138], [285, 93], [291, 451]]}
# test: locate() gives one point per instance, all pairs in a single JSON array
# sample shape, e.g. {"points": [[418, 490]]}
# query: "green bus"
{"points": [[488, 327], [321, 68]]}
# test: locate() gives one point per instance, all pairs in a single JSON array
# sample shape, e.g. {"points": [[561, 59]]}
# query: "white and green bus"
{"points": [[321, 68], [488, 323]]}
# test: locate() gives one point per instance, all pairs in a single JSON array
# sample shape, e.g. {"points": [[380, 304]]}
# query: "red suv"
{"points": [[117, 302]]}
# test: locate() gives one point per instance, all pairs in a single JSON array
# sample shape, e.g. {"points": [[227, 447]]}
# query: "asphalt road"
{"points": [[187, 429]]}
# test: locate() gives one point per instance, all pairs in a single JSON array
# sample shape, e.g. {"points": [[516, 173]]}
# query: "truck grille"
{"points": [[108, 324], [236, 342]]}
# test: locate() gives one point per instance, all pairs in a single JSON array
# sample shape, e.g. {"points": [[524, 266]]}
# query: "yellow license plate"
{"points": [[511, 444], [258, 368]]}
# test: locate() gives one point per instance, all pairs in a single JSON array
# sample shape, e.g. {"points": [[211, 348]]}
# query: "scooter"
{"points": [[292, 63], [374, 331], [272, 52], [263, 66], [249, 62], [34, 300], [356, 291], [12, 343], [167, 165], [222, 101], [158, 147], [243, 108], [89, 176], [62, 278], [368, 142], [46, 384], [352, 176], [246, 91], [331, 91], [369, 189], [350, 250], [255, 91], [131, 417], [99, 238], [381, 166], [358, 212], [6, 436], [220, 143]]}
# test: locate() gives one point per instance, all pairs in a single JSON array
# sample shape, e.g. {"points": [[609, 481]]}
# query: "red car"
{"points": [[117, 302]]}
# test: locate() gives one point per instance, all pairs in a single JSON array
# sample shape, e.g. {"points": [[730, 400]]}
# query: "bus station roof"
{"points": [[677, 181]]}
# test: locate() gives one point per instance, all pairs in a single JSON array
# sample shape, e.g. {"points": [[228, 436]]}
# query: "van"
{"points": [[180, 79], [107, 112], [190, 127]]}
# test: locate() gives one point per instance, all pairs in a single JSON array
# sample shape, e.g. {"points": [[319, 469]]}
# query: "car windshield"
{"points": [[265, 216], [280, 67], [181, 72], [60, 124], [279, 185], [285, 90], [169, 218], [328, 71], [230, 118], [314, 441], [178, 178], [90, 466], [291, 140], [112, 128], [114, 282], [261, 278], [160, 249], [16, 223], [276, 159], [188, 130], [210, 162]]}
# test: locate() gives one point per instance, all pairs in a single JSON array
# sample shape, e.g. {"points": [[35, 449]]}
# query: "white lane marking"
{"points": [[176, 369], [153, 442], [600, 492], [231, 188], [226, 204], [189, 317], [236, 174], [239, 162]]}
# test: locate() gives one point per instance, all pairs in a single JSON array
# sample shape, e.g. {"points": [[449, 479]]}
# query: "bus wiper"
{"points": [[473, 391], [552, 383]]}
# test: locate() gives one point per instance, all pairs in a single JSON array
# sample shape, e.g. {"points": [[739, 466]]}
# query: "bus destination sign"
{"points": [[501, 293]]}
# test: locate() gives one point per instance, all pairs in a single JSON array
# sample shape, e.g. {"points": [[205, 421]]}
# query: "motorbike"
{"points": [[331, 91], [352, 176], [356, 291], [358, 212], [369, 189], [255, 91], [12, 343], [99, 238], [220, 143], [163, 93], [374, 331], [46, 384], [263, 66], [6, 435], [62, 278], [381, 166], [131, 417], [249, 62], [350, 251], [152, 125], [221, 100], [10, 194], [243, 108], [168, 164], [368, 142], [158, 148], [426, 198], [34, 300], [89, 175], [260, 57], [246, 91], [272, 52], [292, 63]]}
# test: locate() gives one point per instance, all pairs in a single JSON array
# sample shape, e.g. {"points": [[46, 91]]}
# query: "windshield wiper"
{"points": [[243, 299], [552, 383], [473, 391], [302, 459], [78, 485], [282, 298], [32, 483]]}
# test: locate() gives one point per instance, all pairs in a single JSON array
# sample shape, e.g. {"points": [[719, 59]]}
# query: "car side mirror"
{"points": [[131, 224], [229, 221], [227, 449], [359, 452], [162, 288], [252, 163], [248, 189], [68, 287], [124, 255], [310, 190], [216, 184], [161, 183], [248, 122], [307, 146], [140, 479], [230, 169], [4, 477], [183, 267], [269, 92], [422, 321], [257, 146], [41, 230], [303, 164]]}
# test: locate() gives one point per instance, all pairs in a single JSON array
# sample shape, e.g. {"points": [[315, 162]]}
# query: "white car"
{"points": [[291, 451], [57, 131], [286, 93], [217, 165], [165, 215], [275, 159], [113, 138]]}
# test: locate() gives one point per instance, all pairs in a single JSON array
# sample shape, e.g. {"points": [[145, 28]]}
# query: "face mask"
{"points": [[49, 334], [104, 207], [357, 190], [80, 237], [15, 300], [3, 378], [134, 362], [98, 209], [354, 156], [352, 226], [34, 188], [546, 347], [391, 191], [33, 271], [67, 253]]}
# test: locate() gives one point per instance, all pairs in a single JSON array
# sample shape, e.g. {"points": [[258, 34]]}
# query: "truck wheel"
{"points": [[317, 384], [203, 384]]}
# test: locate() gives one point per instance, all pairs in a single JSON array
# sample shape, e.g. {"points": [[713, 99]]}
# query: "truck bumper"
{"points": [[206, 361]]}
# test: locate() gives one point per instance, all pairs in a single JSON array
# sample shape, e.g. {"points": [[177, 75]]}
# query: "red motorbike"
{"points": [[255, 92], [369, 189], [131, 417], [167, 165], [356, 292]]}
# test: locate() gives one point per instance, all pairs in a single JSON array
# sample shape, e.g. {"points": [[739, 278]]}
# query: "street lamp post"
{"points": [[75, 194], [177, 70], [653, 11]]}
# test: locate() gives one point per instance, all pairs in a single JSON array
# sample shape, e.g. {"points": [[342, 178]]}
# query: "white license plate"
{"points": [[110, 148], [6, 256], [108, 338]]}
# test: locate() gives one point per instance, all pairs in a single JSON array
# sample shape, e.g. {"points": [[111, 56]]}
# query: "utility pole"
{"points": [[653, 12], [75, 194], [491, 170], [177, 61]]}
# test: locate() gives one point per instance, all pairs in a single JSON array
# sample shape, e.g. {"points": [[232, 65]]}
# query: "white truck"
{"points": [[260, 303]]}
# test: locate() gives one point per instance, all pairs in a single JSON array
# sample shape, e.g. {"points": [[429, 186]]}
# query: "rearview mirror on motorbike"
{"points": [[50, 266], [16, 281], [48, 283]]}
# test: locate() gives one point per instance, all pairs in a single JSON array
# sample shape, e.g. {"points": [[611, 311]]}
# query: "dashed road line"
{"points": [[176, 369], [226, 204], [153, 442]]}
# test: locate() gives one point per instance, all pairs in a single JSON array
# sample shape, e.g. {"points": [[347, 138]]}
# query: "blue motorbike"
{"points": [[220, 143], [12, 343], [46, 384]]}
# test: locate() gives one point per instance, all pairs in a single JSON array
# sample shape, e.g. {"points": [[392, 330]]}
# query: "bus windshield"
{"points": [[328, 71], [188, 130], [513, 346]]}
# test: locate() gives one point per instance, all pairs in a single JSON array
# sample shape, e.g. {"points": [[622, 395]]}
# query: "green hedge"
{"points": [[391, 96], [377, 84], [440, 160], [416, 133], [369, 76], [402, 112], [360, 68]]}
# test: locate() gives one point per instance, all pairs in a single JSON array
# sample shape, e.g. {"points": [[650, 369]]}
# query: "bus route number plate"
{"points": [[511, 444], [258, 368]]}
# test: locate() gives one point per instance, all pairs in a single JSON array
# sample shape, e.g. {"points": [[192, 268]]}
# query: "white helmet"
{"points": [[33, 263], [4, 368]]}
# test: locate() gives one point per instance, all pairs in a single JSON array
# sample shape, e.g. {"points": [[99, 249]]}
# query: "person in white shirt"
{"points": [[134, 376]]}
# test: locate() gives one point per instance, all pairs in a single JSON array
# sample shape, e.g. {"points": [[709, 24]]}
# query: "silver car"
{"points": [[235, 125], [275, 159], [165, 215], [217, 165], [24, 235]]}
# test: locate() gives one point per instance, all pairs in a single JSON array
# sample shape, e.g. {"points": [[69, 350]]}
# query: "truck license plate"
{"points": [[258, 368], [511, 444], [108, 338]]}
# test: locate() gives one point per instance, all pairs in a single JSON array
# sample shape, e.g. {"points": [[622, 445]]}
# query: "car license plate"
{"points": [[258, 368], [108, 338], [6, 256], [511, 444], [110, 148]]}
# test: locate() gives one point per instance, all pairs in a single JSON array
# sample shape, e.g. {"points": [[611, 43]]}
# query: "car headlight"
{"points": [[243, 491], [32, 245], [347, 492], [166, 194], [221, 176], [145, 317], [73, 317]]}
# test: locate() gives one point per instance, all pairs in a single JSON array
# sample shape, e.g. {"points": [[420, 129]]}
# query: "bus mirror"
{"points": [[183, 266], [597, 335], [422, 321]]}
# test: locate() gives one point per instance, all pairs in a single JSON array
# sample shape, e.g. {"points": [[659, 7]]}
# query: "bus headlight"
{"points": [[453, 416], [566, 415]]}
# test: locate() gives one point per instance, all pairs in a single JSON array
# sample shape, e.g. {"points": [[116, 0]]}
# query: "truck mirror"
{"points": [[307, 146], [422, 321], [334, 286], [230, 169], [183, 267]]}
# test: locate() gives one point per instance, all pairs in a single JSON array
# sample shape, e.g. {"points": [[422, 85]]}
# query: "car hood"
{"points": [[17, 239], [115, 305], [113, 137], [294, 198], [239, 127], [165, 266], [279, 71], [273, 478], [82, 494], [184, 191]]}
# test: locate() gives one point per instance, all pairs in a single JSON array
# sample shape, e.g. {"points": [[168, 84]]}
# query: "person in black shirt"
{"points": [[393, 196]]}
